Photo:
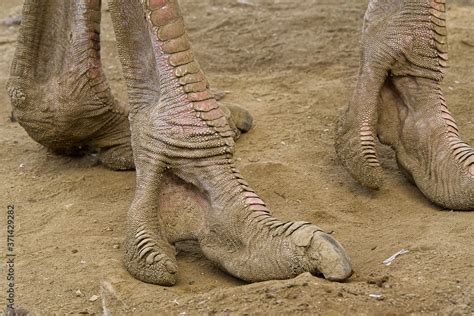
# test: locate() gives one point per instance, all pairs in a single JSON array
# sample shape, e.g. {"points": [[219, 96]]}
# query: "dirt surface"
{"points": [[293, 64]]}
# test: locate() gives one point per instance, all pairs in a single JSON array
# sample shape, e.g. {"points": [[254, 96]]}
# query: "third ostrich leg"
{"points": [[399, 99], [179, 129]]}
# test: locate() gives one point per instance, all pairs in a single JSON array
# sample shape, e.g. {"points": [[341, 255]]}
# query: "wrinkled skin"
{"points": [[58, 90], [181, 140], [398, 98]]}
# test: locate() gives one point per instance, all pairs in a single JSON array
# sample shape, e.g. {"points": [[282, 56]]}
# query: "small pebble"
{"points": [[79, 293], [93, 298], [245, 2], [377, 297], [219, 95], [12, 20]]}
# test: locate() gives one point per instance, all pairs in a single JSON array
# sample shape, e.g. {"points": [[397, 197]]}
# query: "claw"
{"points": [[170, 267], [329, 258], [151, 257], [144, 251], [145, 241]]}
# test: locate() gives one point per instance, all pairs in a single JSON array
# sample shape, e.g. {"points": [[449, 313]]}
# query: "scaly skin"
{"points": [[399, 99], [58, 90], [178, 128]]}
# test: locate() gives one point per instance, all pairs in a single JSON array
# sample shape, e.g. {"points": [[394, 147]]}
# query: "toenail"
{"points": [[150, 258], [170, 267]]}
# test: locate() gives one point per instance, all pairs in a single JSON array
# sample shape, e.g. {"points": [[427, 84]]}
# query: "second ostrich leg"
{"points": [[179, 129]]}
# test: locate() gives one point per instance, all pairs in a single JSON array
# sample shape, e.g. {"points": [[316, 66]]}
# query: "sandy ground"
{"points": [[293, 64]]}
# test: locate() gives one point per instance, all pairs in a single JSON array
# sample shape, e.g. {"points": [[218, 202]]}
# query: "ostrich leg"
{"points": [[58, 90], [399, 99], [179, 129]]}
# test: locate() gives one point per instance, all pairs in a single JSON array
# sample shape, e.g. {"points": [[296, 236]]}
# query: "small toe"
{"points": [[150, 259], [242, 118]]}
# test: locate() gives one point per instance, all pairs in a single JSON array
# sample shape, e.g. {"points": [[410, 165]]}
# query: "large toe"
{"points": [[284, 251]]}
